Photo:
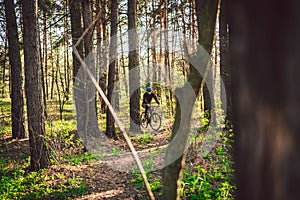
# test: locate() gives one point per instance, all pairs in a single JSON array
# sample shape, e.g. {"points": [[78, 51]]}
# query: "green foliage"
{"points": [[155, 185], [211, 183], [78, 158], [154, 182], [62, 137], [5, 119], [204, 120], [138, 181], [116, 151], [213, 180], [17, 183], [143, 139]]}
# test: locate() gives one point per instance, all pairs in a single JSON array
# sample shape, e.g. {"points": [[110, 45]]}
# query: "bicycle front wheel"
{"points": [[144, 121], [155, 122]]}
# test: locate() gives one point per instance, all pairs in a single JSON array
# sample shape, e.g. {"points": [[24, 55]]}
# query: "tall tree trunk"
{"points": [[35, 112], [110, 122], [17, 105], [134, 70], [4, 68], [203, 26], [224, 62], [91, 114], [186, 97], [153, 49], [266, 109], [52, 66], [42, 75], [148, 75], [78, 75], [117, 91], [104, 53], [67, 77], [99, 54], [160, 54], [45, 53], [123, 62], [60, 93], [167, 59]]}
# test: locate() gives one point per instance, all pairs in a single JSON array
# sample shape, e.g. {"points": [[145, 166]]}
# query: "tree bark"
{"points": [[4, 68], [90, 89], [78, 76], [205, 36], [110, 122], [134, 70], [265, 58], [153, 50], [67, 76], [33, 87], [17, 104], [45, 54], [122, 63], [185, 99], [104, 53], [101, 56], [225, 69]]}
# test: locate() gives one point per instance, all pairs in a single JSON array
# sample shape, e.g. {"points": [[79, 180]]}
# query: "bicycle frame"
{"points": [[148, 118], [152, 109]]}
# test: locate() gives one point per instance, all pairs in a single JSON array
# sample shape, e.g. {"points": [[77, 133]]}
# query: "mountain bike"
{"points": [[152, 118]]}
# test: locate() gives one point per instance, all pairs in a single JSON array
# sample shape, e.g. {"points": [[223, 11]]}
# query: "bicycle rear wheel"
{"points": [[144, 121], [155, 122]]}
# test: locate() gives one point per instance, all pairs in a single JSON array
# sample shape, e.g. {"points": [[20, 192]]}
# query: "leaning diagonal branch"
{"points": [[118, 122]]}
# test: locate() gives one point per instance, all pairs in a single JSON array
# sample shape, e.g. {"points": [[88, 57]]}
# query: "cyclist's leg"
{"points": [[146, 109], [146, 112], [150, 113]]}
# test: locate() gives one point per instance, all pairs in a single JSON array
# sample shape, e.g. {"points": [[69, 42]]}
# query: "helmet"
{"points": [[149, 89]]}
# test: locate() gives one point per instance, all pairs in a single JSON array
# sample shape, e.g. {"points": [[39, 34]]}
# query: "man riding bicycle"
{"points": [[147, 98]]}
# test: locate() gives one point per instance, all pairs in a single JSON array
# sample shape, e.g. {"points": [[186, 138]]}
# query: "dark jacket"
{"points": [[147, 98]]}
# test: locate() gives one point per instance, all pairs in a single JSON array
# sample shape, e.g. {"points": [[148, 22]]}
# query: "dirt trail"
{"points": [[104, 179]]}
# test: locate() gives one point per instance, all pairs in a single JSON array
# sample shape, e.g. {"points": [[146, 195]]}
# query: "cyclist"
{"points": [[147, 98]]}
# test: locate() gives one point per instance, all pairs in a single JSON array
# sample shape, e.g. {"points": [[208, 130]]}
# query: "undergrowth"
{"points": [[213, 178], [18, 183]]}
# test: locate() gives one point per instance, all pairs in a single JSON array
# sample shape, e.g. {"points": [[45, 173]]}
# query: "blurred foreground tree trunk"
{"points": [[266, 110], [17, 101], [39, 153]]}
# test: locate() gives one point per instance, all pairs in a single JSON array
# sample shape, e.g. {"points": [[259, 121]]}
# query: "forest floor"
{"points": [[100, 180], [77, 174]]}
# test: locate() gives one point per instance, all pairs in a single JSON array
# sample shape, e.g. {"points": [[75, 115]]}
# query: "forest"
{"points": [[188, 99]]}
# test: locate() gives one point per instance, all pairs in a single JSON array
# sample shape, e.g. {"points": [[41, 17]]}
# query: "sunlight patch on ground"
{"points": [[105, 194]]}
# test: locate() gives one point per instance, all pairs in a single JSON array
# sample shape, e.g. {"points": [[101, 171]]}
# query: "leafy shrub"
{"points": [[19, 184], [214, 180]]}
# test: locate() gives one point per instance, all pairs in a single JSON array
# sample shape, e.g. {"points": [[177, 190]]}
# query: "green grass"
{"points": [[5, 119], [17, 183], [5, 105], [138, 181], [155, 182], [143, 139], [78, 158]]}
